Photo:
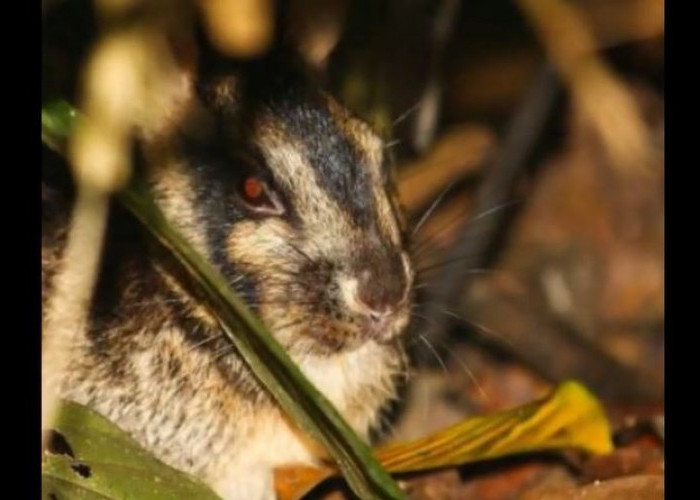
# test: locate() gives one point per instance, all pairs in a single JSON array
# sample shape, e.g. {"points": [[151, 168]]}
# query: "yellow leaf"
{"points": [[569, 418]]}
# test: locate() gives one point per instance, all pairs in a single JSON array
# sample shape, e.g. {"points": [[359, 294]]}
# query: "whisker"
{"points": [[420, 245], [301, 252], [443, 263], [220, 353], [432, 207], [221, 335], [288, 325], [462, 272], [153, 301], [495, 209], [419, 286], [435, 353], [280, 302], [203, 342], [392, 144], [423, 317], [479, 326], [406, 113], [462, 364], [294, 247], [238, 279], [468, 372]]}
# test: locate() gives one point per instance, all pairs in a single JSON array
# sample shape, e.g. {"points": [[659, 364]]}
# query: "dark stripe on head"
{"points": [[303, 113]]}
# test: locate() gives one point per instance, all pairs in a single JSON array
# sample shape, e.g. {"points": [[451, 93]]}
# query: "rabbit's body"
{"points": [[286, 194]]}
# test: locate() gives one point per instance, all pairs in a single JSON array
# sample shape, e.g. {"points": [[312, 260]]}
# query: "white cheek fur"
{"points": [[348, 293]]}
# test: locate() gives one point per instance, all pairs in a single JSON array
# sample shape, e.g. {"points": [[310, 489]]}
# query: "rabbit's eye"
{"points": [[258, 197], [254, 191]]}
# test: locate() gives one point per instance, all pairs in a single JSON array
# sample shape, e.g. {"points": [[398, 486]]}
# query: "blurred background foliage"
{"points": [[527, 138]]}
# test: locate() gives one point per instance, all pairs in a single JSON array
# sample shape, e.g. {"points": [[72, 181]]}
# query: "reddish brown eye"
{"points": [[258, 197], [253, 189]]}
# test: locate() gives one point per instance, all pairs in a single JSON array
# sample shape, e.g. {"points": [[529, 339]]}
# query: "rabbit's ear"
{"points": [[207, 75], [172, 91]]}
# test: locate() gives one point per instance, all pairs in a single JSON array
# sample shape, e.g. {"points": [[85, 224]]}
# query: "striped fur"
{"points": [[154, 361]]}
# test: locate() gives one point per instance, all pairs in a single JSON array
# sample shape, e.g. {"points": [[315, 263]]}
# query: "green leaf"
{"points": [[56, 122], [108, 464], [264, 355]]}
